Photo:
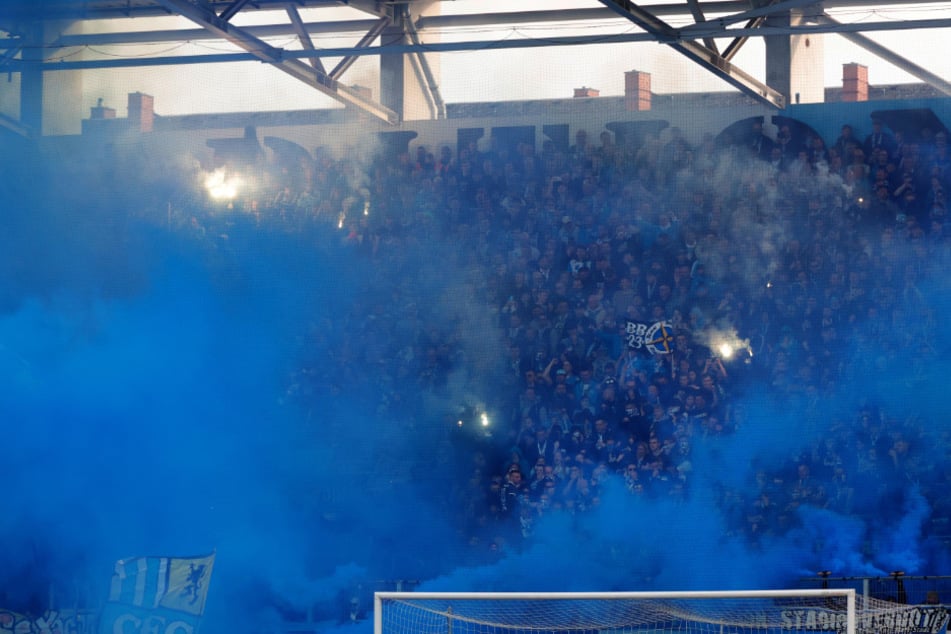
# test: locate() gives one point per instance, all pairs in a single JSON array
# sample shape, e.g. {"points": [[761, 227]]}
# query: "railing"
{"points": [[896, 586]]}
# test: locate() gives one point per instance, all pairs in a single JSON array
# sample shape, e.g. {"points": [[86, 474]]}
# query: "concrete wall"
{"points": [[694, 115]]}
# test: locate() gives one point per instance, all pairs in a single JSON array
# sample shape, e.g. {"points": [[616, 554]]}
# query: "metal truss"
{"points": [[314, 76], [706, 55], [735, 20]]}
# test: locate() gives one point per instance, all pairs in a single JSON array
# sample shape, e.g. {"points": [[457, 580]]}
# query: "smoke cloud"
{"points": [[227, 385]]}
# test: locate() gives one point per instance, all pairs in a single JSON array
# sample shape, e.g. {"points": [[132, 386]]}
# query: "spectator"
{"points": [[567, 245], [879, 139]]}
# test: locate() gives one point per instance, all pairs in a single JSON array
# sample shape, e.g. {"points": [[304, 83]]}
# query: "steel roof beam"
{"points": [[433, 22], [179, 35], [431, 85], [380, 9], [828, 27], [107, 9], [19, 65], [15, 126], [679, 9], [276, 57], [706, 58], [760, 12], [734, 47], [902, 63], [231, 11], [9, 54], [698, 16], [374, 32], [304, 37], [93, 10]]}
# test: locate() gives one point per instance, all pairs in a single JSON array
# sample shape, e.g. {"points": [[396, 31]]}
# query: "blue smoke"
{"points": [[171, 393]]}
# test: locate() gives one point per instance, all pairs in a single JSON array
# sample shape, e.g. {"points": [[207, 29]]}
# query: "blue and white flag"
{"points": [[176, 583], [157, 594]]}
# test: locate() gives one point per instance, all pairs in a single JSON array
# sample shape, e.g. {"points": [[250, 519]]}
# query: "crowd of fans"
{"points": [[810, 260]]}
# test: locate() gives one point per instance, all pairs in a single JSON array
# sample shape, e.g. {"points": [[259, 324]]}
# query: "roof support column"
{"points": [[409, 90], [393, 70], [38, 114], [794, 63], [31, 80]]}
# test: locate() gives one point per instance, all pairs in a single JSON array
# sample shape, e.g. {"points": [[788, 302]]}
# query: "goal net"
{"points": [[839, 611]]}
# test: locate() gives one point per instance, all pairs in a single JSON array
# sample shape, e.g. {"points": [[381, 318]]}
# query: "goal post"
{"points": [[819, 611]]}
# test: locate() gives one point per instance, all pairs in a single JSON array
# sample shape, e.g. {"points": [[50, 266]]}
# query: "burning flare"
{"points": [[220, 186]]}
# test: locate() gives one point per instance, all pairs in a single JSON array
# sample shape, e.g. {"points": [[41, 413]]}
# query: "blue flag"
{"points": [[157, 594], [656, 338]]}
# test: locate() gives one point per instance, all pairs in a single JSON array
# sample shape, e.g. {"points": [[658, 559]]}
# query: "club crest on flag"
{"points": [[165, 594], [659, 338], [176, 583], [656, 338]]}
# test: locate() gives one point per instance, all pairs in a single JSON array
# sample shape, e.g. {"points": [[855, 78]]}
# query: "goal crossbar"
{"points": [[829, 609]]}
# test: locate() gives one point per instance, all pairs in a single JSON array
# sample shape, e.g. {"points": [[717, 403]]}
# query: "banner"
{"points": [[654, 338], [118, 618], [158, 595], [50, 622], [919, 619]]}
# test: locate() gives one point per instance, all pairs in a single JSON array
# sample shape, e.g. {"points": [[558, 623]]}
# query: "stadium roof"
{"points": [[710, 34]]}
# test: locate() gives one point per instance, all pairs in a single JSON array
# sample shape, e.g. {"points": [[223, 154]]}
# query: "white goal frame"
{"points": [[848, 593]]}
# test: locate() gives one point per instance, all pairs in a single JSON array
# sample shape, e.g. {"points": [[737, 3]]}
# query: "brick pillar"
{"points": [[637, 90], [584, 91], [141, 111], [854, 82]]}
